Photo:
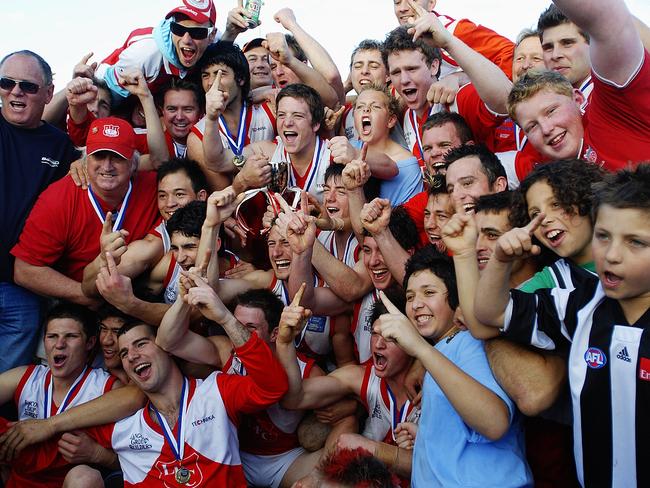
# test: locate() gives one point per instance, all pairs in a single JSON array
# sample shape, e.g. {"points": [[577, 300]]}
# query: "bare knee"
{"points": [[83, 477]]}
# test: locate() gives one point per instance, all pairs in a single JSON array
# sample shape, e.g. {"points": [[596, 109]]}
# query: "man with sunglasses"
{"points": [[168, 50], [33, 154]]}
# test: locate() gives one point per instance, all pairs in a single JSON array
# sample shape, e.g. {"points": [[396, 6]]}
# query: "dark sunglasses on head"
{"points": [[196, 33], [26, 86]]}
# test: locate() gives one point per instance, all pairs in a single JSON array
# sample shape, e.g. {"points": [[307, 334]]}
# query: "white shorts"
{"points": [[268, 470]]}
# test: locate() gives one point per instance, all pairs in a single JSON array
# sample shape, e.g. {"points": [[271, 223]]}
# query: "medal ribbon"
{"points": [[415, 123], [177, 445], [49, 393], [396, 417], [313, 168], [237, 147], [119, 220]]}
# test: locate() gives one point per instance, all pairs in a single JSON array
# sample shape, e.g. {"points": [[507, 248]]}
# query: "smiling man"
{"points": [[62, 234], [168, 50], [615, 127], [28, 146]]}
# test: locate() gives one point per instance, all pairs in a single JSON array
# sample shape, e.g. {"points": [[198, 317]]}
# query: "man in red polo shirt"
{"points": [[62, 233]]}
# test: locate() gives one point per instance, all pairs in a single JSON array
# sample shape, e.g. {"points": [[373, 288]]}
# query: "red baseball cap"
{"points": [[111, 134], [200, 11]]}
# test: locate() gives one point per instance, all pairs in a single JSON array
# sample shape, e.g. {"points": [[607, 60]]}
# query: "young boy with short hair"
{"points": [[600, 320]]}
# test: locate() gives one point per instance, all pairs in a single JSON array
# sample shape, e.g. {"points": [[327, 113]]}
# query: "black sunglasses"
{"points": [[26, 86], [196, 33]]}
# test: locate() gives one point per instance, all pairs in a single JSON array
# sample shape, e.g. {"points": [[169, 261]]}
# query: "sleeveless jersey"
{"points": [[383, 413], [34, 393], [211, 452], [256, 123], [361, 329], [313, 180]]}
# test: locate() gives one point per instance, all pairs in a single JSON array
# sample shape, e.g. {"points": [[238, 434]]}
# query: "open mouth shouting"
{"points": [[143, 371], [380, 277], [380, 361], [59, 360], [366, 125], [290, 136], [188, 55], [610, 280]]}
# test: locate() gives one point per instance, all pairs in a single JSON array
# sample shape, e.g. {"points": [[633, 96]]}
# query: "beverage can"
{"points": [[254, 7]]}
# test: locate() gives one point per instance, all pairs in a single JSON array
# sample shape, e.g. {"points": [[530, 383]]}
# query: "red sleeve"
{"points": [[266, 381], [141, 144], [526, 160], [102, 434], [42, 241], [480, 119], [415, 208], [79, 132], [617, 120], [37, 458], [493, 46]]}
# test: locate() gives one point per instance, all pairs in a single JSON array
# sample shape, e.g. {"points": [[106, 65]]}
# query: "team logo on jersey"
{"points": [[198, 422], [644, 369], [595, 358], [50, 162], [167, 471], [623, 355], [111, 131], [139, 442], [30, 409], [376, 412], [591, 155]]}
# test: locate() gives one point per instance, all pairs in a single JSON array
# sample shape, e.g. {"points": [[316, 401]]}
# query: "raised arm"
{"points": [[279, 50], [175, 337], [460, 235], [479, 407], [615, 47], [375, 217], [493, 291], [311, 392], [491, 83], [316, 53], [135, 83]]}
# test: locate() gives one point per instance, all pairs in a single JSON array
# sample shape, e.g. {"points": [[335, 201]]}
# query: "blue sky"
{"points": [[63, 31]]}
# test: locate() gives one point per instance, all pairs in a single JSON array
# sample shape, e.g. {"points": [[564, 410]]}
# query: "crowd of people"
{"points": [[230, 266]]}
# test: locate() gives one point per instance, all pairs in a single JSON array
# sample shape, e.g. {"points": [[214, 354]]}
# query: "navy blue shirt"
{"points": [[30, 159]]}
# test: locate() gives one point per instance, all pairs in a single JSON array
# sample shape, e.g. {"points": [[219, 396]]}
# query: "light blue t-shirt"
{"points": [[407, 183], [448, 453]]}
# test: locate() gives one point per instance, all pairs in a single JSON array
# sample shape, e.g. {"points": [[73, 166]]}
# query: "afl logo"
{"points": [[595, 358]]}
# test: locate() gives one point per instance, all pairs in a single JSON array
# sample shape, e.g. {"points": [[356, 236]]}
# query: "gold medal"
{"points": [[182, 475]]}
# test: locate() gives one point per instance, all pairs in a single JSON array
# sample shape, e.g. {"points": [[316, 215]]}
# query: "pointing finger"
{"points": [[296, 299], [389, 305], [535, 223], [364, 151], [110, 261], [417, 8], [107, 226], [85, 59]]}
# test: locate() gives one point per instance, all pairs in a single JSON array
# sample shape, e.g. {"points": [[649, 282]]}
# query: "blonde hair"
{"points": [[534, 82], [391, 102]]}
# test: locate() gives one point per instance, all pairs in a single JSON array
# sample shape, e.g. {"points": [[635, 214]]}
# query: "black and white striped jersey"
{"points": [[609, 372]]}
